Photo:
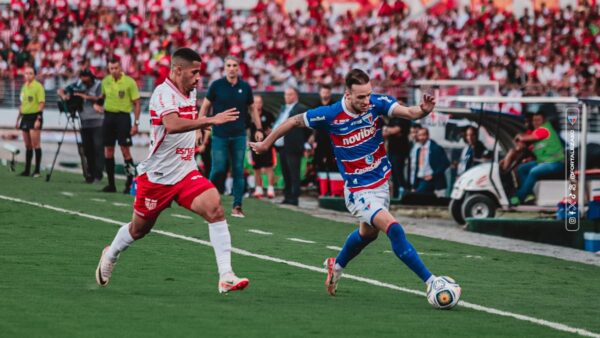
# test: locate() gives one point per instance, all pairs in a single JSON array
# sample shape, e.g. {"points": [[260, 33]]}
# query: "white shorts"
{"points": [[364, 204]]}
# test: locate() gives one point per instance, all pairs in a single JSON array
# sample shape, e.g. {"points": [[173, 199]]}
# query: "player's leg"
{"points": [[258, 190], [355, 243], [206, 202], [125, 142], [28, 153], [126, 235], [271, 181], [35, 144], [238, 151], [385, 222], [110, 138]]}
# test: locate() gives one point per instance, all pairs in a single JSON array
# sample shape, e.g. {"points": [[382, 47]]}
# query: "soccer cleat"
{"points": [[231, 282], [36, 174], [270, 192], [24, 174], [333, 275], [258, 194], [109, 188], [237, 212], [104, 269]]}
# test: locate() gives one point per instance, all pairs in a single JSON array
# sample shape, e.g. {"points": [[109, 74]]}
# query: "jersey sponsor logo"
{"points": [[121, 94], [150, 203], [317, 118], [358, 137], [371, 167], [195, 177], [186, 153], [369, 159], [340, 121]]}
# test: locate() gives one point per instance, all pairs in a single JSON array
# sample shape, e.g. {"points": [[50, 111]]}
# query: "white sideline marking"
{"points": [[541, 322], [474, 256], [336, 248], [98, 200], [117, 204], [300, 240], [66, 193], [182, 216], [259, 232]]}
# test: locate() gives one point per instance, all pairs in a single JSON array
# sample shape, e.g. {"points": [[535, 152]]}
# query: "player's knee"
{"points": [[138, 232], [215, 214]]}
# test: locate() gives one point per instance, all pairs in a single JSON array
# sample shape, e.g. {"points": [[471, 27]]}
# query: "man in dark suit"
{"points": [[431, 165], [291, 147]]}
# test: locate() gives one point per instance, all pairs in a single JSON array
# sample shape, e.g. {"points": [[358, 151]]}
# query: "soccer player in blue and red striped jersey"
{"points": [[355, 128]]}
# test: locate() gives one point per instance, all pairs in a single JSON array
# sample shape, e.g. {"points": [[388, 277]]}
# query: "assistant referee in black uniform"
{"points": [[120, 93]]}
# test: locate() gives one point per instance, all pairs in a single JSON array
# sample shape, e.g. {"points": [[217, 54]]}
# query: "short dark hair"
{"points": [[416, 126], [356, 77], [326, 86], [187, 54], [115, 60]]}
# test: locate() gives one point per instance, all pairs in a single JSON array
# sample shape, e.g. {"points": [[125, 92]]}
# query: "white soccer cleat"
{"points": [[230, 282], [333, 275], [104, 269]]}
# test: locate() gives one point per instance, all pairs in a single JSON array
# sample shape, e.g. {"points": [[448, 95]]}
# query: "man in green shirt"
{"points": [[120, 94], [30, 120], [549, 157]]}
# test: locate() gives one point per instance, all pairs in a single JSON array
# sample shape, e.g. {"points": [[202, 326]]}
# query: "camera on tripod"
{"points": [[74, 103]]}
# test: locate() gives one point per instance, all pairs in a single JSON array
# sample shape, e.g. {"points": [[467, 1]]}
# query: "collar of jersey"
{"points": [[346, 110]]}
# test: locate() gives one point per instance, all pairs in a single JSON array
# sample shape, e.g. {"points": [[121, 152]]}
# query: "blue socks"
{"points": [[406, 252], [353, 246]]}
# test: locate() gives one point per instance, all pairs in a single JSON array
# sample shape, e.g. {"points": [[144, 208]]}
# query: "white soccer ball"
{"points": [[443, 293]]}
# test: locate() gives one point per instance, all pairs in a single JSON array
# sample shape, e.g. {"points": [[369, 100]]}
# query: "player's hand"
{"points": [[427, 103], [134, 130], [201, 148], [98, 108], [228, 115], [37, 124], [81, 95], [259, 147], [259, 136], [428, 178]]}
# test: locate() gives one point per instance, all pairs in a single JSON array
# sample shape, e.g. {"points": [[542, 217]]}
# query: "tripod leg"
{"points": [[62, 139], [80, 149]]}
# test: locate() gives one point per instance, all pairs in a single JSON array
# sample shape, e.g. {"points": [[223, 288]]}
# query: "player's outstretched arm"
{"points": [[175, 124], [415, 112], [284, 128]]}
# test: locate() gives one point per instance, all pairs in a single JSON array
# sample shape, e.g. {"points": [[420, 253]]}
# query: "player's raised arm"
{"points": [[415, 112], [296, 121], [175, 124]]}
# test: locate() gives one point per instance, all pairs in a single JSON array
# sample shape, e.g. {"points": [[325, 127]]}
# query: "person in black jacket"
{"points": [[473, 152], [291, 147]]}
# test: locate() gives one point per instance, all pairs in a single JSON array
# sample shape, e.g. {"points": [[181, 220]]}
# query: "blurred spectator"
{"points": [[551, 50], [431, 165], [229, 140], [549, 157], [324, 159], [291, 147], [414, 147], [398, 149], [472, 154], [263, 163]]}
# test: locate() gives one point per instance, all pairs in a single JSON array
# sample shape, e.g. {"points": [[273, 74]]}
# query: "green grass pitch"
{"points": [[165, 286]]}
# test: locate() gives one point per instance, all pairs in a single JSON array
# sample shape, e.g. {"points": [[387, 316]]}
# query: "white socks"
{"points": [[337, 267], [430, 279], [121, 242], [221, 242]]}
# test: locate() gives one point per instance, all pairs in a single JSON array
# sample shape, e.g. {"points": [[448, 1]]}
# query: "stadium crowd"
{"points": [[545, 50]]}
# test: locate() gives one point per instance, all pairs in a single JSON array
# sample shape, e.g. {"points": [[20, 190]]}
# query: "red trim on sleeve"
{"points": [[541, 133]]}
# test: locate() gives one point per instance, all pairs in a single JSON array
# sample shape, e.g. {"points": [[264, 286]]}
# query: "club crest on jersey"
{"points": [[150, 203], [368, 119], [121, 94]]}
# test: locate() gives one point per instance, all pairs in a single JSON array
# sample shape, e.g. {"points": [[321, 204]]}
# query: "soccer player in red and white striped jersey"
{"points": [[169, 173]]}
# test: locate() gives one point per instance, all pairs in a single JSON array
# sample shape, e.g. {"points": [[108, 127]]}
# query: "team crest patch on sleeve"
{"points": [[150, 203]]}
